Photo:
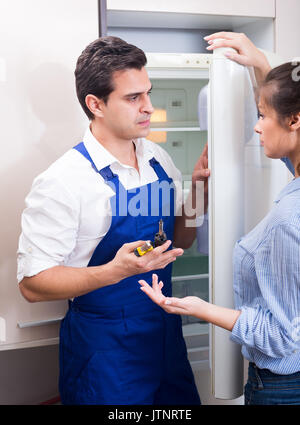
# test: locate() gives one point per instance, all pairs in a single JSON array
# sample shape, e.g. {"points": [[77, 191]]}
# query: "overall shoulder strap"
{"points": [[160, 172], [109, 177], [82, 149]]}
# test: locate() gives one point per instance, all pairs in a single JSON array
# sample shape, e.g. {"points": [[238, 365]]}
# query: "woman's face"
{"points": [[275, 138]]}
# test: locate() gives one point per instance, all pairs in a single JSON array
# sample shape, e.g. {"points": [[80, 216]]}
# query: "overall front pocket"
{"points": [[101, 380]]}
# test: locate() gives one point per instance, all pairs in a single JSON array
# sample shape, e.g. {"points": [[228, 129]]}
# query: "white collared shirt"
{"points": [[68, 208]]}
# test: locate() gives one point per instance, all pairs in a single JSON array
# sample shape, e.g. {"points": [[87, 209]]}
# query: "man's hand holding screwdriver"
{"points": [[129, 264]]}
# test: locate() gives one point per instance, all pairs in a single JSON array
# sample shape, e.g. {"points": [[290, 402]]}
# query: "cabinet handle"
{"points": [[39, 322]]}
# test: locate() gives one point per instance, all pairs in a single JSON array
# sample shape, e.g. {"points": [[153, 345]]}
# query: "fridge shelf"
{"points": [[176, 126], [176, 129], [190, 277]]}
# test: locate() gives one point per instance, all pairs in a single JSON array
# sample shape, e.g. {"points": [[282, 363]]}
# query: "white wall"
{"points": [[40, 119], [287, 29]]}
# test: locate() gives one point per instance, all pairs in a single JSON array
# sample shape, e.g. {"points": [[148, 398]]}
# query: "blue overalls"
{"points": [[116, 345]]}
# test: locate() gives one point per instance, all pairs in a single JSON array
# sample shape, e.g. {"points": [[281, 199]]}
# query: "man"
{"points": [[79, 231]]}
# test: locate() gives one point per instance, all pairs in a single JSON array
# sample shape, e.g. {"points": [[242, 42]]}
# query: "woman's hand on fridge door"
{"points": [[191, 306], [246, 52]]}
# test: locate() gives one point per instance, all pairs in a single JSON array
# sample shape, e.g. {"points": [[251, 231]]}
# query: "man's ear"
{"points": [[295, 122], [95, 105]]}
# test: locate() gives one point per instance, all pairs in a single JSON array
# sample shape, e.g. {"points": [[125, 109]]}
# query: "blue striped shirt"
{"points": [[266, 264]]}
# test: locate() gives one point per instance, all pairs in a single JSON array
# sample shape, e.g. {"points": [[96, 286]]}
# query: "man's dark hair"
{"points": [[97, 63]]}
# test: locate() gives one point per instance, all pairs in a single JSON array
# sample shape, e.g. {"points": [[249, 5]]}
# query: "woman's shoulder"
{"points": [[287, 210], [283, 217]]}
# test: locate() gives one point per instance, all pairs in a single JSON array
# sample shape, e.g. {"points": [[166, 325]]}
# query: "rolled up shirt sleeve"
{"points": [[273, 326], [49, 227]]}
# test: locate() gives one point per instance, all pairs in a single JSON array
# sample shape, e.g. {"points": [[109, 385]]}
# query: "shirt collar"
{"points": [[291, 187], [144, 151], [102, 157]]}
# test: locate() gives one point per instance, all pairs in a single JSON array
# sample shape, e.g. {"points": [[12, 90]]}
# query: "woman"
{"points": [[266, 320]]}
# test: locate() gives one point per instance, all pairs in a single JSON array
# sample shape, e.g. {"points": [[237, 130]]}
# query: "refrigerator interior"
{"points": [[175, 101], [175, 126]]}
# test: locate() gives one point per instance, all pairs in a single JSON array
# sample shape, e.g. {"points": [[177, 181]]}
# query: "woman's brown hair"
{"points": [[284, 94]]}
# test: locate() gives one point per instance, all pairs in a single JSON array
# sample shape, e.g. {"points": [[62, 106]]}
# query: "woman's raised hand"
{"points": [[192, 306]]}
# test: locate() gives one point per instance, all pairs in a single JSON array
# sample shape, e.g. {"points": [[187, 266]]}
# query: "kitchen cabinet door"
{"points": [[40, 119], [265, 8]]}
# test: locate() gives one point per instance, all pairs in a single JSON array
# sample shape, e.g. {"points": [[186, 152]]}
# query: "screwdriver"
{"points": [[159, 239]]}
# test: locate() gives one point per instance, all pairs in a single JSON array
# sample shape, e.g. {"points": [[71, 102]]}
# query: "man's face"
{"points": [[127, 113]]}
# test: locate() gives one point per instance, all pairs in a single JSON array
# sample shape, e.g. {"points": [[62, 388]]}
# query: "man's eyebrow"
{"points": [[137, 93]]}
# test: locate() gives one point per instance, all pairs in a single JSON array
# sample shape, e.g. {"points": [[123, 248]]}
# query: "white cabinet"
{"points": [[287, 29], [271, 24], [181, 28], [40, 119], [265, 8]]}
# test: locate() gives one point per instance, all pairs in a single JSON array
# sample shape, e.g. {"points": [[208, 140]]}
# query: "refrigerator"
{"points": [[199, 99], [41, 119]]}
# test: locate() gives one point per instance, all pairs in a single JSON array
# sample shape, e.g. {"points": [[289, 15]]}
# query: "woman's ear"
{"points": [[294, 122], [95, 105]]}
